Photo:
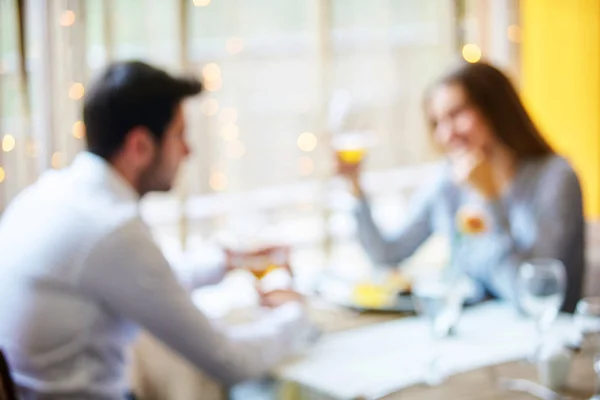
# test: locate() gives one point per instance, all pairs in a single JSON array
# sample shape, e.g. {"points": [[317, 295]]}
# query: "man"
{"points": [[80, 274]]}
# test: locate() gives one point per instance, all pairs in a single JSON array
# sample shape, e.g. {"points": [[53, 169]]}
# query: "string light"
{"points": [[307, 142], [212, 77], [211, 72], [218, 181], [209, 107], [8, 143], [2, 175], [201, 3], [57, 160], [234, 45], [76, 91], [471, 53], [306, 166], [67, 18], [514, 33], [79, 130], [236, 150], [228, 114], [230, 132], [213, 86]]}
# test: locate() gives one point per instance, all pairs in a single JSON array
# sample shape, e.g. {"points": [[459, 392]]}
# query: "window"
{"points": [[261, 132]]}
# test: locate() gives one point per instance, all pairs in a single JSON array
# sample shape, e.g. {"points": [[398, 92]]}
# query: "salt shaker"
{"points": [[553, 364]]}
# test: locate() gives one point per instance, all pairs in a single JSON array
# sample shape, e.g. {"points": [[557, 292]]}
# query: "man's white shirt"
{"points": [[80, 274]]}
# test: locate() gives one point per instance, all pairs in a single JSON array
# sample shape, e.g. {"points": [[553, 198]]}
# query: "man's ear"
{"points": [[139, 147]]}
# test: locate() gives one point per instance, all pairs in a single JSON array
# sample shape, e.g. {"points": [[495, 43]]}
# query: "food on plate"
{"points": [[369, 295], [381, 295]]}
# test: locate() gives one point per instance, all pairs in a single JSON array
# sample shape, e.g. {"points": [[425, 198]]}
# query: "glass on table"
{"points": [[596, 395], [541, 286], [587, 324], [439, 299]]}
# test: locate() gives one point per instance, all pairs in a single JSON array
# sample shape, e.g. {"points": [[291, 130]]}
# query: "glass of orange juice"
{"points": [[262, 261], [351, 147]]}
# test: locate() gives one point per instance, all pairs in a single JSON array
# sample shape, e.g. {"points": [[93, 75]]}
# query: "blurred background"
{"points": [[273, 69]]}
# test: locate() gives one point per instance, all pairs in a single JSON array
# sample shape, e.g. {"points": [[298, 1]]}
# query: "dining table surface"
{"points": [[158, 373]]}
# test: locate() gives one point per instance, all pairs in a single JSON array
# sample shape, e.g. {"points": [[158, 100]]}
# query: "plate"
{"points": [[376, 297], [403, 304], [391, 294]]}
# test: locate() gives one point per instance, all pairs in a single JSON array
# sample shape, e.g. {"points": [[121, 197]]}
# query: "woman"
{"points": [[496, 159]]}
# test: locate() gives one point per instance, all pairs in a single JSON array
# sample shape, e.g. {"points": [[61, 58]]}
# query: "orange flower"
{"points": [[471, 222]]}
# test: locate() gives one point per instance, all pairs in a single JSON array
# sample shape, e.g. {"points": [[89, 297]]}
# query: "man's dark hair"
{"points": [[128, 95]]}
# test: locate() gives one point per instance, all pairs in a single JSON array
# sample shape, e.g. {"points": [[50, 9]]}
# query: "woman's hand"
{"points": [[476, 170], [350, 171]]}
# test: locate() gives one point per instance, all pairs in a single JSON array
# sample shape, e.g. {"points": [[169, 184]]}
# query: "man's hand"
{"points": [[279, 297]]}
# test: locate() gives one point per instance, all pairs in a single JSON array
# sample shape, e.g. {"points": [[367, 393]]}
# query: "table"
{"points": [[482, 384], [158, 373]]}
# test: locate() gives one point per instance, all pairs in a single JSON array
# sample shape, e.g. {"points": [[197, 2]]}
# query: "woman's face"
{"points": [[458, 127]]}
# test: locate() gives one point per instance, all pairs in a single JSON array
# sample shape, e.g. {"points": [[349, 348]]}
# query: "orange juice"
{"points": [[260, 273], [351, 156]]}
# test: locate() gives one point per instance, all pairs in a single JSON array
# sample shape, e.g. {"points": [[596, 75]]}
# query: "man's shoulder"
{"points": [[57, 209]]}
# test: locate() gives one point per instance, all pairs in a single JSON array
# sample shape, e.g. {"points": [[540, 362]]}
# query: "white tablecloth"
{"points": [[376, 360]]}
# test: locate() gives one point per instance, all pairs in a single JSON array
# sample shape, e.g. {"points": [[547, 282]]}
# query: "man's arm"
{"points": [[129, 274], [204, 266]]}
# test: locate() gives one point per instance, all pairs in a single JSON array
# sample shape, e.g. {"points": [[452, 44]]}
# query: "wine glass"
{"points": [[541, 286], [261, 261], [587, 323], [351, 147], [596, 395], [440, 300], [252, 244]]}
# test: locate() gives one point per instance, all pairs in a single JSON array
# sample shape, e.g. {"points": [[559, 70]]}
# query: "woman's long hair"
{"points": [[492, 93]]}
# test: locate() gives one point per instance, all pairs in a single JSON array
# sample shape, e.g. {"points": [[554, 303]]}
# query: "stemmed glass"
{"points": [[262, 261], [541, 286], [440, 300], [351, 147], [596, 395], [251, 248], [587, 323]]}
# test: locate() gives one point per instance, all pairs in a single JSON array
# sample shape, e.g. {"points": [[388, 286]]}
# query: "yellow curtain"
{"points": [[561, 82]]}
